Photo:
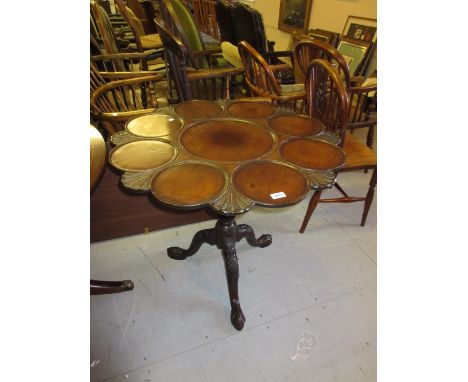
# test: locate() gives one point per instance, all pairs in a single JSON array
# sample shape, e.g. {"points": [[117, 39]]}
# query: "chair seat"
{"points": [[151, 41], [357, 153]]}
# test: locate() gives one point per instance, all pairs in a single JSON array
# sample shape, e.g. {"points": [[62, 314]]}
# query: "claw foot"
{"points": [[264, 240], [177, 253], [237, 319]]}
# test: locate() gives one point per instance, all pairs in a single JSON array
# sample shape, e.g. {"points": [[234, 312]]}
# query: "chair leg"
{"points": [[369, 197], [339, 188], [310, 209], [107, 287], [370, 137]]}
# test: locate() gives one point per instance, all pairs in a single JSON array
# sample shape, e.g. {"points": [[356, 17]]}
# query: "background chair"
{"points": [[114, 103], [144, 14], [108, 38], [210, 21], [238, 22], [192, 82], [363, 109], [197, 9], [261, 81], [328, 101], [308, 50], [362, 100], [179, 21], [143, 41], [121, 66]]}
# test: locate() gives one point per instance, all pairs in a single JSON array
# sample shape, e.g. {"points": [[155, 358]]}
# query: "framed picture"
{"points": [[329, 37], [354, 53], [294, 15], [361, 29]]}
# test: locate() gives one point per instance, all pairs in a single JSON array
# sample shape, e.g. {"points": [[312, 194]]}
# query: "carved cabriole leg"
{"points": [[312, 204], [246, 231], [226, 238], [204, 236], [369, 197], [225, 235]]}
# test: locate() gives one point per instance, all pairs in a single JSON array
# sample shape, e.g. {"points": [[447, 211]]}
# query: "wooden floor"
{"points": [[117, 212]]}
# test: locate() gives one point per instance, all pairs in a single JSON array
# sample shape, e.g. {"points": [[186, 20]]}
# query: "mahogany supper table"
{"points": [[230, 156]]}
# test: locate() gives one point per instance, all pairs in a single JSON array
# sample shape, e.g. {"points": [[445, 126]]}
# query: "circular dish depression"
{"points": [[154, 125], [312, 154], [296, 125], [142, 155], [251, 109], [188, 184], [270, 183], [197, 109], [227, 140]]}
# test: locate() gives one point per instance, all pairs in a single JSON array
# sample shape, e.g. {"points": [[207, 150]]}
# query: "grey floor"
{"points": [[309, 301]]}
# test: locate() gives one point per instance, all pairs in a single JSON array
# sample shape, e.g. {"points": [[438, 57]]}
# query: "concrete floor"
{"points": [[309, 301]]}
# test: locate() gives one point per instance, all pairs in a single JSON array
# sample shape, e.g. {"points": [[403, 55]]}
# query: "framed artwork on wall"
{"points": [[294, 15], [360, 28]]}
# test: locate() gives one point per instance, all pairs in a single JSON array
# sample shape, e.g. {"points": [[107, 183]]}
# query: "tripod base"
{"points": [[225, 235]]}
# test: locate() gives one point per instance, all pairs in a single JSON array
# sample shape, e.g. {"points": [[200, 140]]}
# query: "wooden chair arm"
{"points": [[206, 52], [129, 75], [201, 74], [129, 81], [356, 81], [110, 56], [362, 90]]}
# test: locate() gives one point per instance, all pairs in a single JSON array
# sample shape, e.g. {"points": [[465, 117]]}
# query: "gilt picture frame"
{"points": [[294, 15]]}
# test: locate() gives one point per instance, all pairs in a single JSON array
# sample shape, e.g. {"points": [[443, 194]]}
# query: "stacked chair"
{"points": [[121, 84]]}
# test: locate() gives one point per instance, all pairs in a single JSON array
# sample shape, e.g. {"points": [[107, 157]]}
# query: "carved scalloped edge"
{"points": [[232, 201], [122, 137], [329, 137], [138, 181], [321, 179]]}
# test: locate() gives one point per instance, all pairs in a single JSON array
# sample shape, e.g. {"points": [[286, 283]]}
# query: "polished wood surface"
{"points": [[261, 180], [226, 143], [189, 184], [154, 125], [226, 140], [251, 110], [142, 155], [296, 125], [198, 109], [313, 154]]}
